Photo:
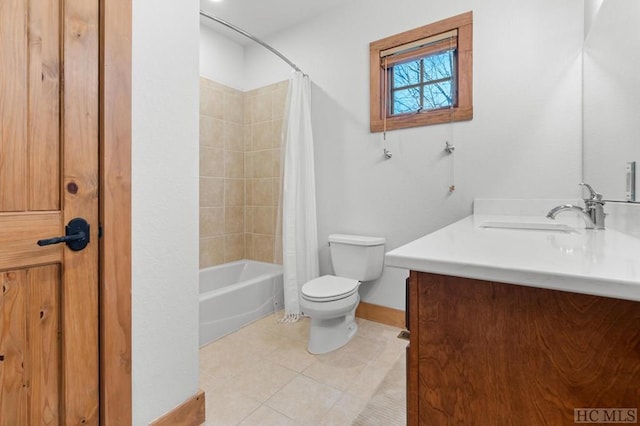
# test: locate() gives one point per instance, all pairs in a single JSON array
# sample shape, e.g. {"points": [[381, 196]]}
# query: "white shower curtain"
{"points": [[299, 224]]}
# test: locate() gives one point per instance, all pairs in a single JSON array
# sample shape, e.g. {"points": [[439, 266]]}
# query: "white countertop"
{"points": [[599, 262]]}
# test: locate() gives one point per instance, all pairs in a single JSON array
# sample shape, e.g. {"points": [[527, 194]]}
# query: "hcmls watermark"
{"points": [[605, 415]]}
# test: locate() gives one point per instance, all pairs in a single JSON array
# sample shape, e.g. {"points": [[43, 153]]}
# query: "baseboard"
{"points": [[189, 413], [381, 314]]}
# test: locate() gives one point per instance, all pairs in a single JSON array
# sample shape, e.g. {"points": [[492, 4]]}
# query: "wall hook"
{"points": [[387, 153], [449, 148]]}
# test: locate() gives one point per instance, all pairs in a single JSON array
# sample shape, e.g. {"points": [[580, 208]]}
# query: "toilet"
{"points": [[331, 300]]}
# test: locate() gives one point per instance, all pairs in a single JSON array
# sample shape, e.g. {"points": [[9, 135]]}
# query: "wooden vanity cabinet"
{"points": [[486, 353]]}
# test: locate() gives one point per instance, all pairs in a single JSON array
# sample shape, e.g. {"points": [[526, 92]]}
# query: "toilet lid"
{"points": [[329, 287]]}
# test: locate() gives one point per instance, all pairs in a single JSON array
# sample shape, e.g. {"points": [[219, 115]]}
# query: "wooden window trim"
{"points": [[464, 108]]}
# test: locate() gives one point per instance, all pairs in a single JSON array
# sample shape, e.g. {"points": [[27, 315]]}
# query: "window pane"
{"points": [[406, 100], [438, 95], [406, 74], [438, 66]]}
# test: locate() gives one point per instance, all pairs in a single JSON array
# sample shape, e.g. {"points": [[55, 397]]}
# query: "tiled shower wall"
{"points": [[264, 113], [240, 138]]}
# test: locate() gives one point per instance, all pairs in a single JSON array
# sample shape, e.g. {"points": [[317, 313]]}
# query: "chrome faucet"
{"points": [[593, 212]]}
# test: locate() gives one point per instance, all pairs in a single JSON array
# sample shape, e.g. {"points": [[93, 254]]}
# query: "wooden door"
{"points": [[49, 52]]}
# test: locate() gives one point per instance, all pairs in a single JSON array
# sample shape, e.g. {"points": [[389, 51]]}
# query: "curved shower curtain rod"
{"points": [[246, 34]]}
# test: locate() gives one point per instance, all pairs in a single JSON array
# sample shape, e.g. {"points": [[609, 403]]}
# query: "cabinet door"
{"points": [[500, 354]]}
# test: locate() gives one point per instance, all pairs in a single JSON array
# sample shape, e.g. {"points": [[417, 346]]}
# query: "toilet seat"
{"points": [[328, 288]]}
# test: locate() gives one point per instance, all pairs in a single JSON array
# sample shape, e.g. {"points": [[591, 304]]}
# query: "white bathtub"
{"points": [[235, 294]]}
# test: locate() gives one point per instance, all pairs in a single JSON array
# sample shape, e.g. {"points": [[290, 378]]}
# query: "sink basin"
{"points": [[529, 226]]}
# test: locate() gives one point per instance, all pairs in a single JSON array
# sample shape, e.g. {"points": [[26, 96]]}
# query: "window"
{"points": [[423, 84], [423, 76]]}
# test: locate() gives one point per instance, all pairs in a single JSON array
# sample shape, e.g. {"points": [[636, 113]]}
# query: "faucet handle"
{"points": [[594, 196]]}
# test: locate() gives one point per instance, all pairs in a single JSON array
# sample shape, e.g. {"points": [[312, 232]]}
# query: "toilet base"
{"points": [[326, 335]]}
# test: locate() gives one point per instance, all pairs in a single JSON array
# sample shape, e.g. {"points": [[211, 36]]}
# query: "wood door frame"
{"points": [[115, 212]]}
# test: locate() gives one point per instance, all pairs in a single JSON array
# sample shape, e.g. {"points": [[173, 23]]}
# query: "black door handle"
{"points": [[76, 235]]}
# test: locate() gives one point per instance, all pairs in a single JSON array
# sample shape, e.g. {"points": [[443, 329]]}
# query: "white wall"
{"points": [[591, 8], [524, 140], [221, 59], [611, 91], [165, 207]]}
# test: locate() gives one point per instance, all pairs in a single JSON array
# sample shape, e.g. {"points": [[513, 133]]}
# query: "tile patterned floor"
{"points": [[263, 375]]}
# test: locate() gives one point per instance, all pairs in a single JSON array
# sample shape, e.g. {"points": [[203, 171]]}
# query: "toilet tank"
{"points": [[356, 256]]}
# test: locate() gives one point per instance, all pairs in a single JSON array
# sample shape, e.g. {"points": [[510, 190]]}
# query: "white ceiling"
{"points": [[263, 17]]}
